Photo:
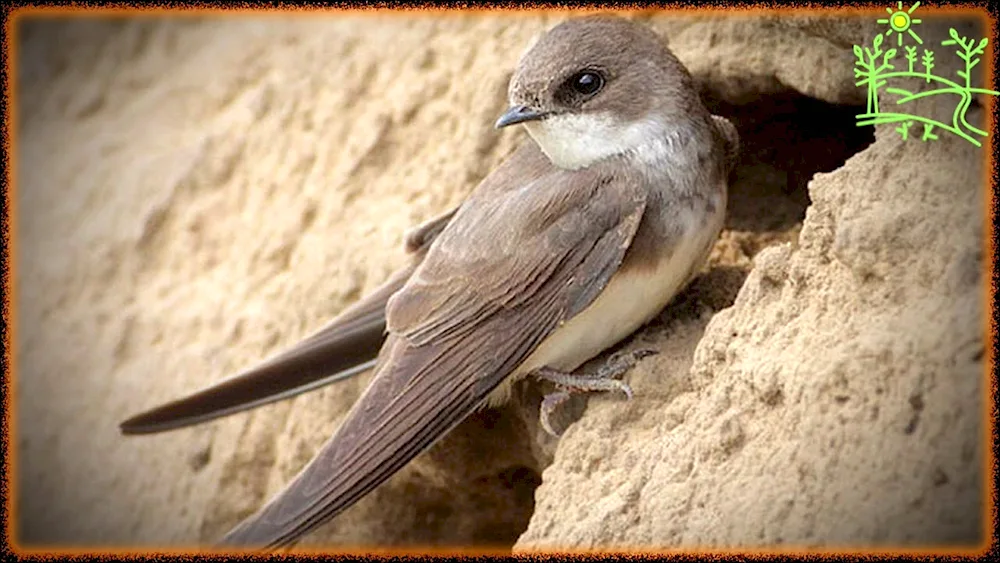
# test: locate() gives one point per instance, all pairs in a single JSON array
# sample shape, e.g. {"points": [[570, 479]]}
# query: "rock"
{"points": [[808, 419]]}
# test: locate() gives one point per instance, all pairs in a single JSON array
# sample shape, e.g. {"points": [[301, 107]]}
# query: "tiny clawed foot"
{"points": [[641, 353], [549, 404], [633, 356], [606, 379], [622, 361], [624, 388]]}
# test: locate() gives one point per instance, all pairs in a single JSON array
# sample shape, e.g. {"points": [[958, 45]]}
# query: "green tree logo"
{"points": [[875, 68]]}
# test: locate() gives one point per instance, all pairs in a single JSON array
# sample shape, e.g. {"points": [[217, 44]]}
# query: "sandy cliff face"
{"points": [[194, 194]]}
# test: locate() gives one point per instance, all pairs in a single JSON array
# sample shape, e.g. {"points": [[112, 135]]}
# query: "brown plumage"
{"points": [[498, 280], [571, 244]]}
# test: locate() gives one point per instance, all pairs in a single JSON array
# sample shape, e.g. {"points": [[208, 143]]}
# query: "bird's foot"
{"points": [[605, 379]]}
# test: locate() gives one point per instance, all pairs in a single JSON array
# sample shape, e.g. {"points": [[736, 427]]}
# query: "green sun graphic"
{"points": [[900, 22]]}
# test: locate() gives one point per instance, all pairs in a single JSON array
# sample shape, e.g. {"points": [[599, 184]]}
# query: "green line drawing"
{"points": [[904, 129], [875, 69], [900, 21], [911, 56], [872, 73], [928, 64]]}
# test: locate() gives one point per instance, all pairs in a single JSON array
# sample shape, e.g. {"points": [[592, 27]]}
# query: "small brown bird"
{"points": [[578, 239]]}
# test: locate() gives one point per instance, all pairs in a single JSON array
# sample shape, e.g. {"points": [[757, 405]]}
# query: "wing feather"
{"points": [[495, 283], [343, 348]]}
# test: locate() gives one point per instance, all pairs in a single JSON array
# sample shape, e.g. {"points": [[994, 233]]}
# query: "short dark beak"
{"points": [[518, 114]]}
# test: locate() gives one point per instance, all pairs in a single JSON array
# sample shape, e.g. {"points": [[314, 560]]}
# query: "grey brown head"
{"points": [[598, 85]]}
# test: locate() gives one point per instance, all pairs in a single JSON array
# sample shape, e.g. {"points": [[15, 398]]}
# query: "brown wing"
{"points": [[525, 251], [345, 347]]}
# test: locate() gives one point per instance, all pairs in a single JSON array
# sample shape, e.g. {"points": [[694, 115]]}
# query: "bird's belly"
{"points": [[632, 298]]}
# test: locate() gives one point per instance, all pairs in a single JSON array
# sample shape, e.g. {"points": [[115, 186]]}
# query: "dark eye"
{"points": [[587, 82]]}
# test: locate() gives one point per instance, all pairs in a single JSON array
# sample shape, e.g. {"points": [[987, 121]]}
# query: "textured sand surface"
{"points": [[196, 193]]}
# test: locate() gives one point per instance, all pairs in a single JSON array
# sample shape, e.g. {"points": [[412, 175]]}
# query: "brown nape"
{"points": [[476, 486]]}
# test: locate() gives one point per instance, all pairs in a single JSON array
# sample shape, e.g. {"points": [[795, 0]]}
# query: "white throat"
{"points": [[575, 141]]}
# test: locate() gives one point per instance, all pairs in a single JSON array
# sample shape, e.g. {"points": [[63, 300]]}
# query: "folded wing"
{"points": [[510, 266], [345, 347]]}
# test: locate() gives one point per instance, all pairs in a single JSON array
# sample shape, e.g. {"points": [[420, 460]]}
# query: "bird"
{"points": [[584, 234]]}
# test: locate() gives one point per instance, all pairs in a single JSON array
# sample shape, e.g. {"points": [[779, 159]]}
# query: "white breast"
{"points": [[631, 299]]}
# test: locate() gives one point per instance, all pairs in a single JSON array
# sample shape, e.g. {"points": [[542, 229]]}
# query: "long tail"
{"points": [[344, 348]]}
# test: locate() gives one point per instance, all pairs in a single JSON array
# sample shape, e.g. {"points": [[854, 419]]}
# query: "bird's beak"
{"points": [[518, 114]]}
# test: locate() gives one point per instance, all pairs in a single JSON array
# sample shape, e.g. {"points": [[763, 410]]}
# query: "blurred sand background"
{"points": [[196, 193]]}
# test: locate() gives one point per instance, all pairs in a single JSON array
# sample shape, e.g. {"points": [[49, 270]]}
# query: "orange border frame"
{"points": [[9, 330]]}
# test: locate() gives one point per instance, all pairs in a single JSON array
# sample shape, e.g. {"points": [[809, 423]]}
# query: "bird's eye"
{"points": [[587, 82]]}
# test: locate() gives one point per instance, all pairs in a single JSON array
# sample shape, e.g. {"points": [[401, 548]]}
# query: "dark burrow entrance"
{"points": [[785, 140], [494, 460]]}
